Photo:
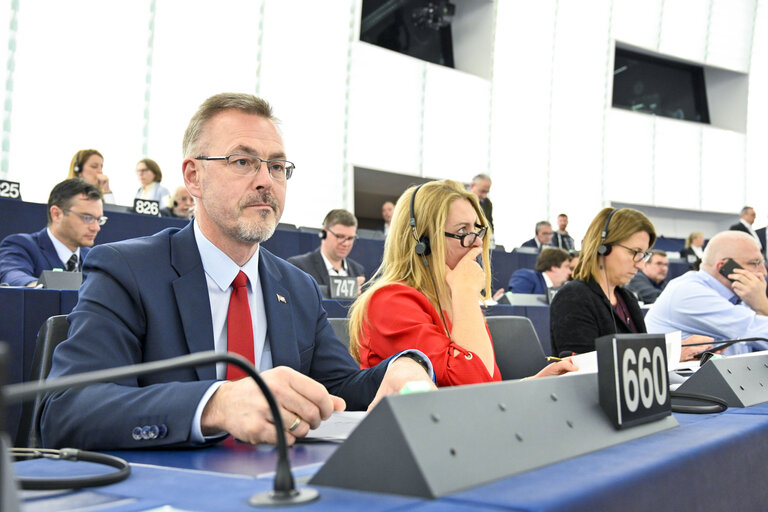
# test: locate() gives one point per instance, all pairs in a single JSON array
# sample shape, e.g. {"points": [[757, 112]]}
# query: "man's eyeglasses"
{"points": [[342, 238], [468, 240], [246, 165], [89, 219], [637, 256]]}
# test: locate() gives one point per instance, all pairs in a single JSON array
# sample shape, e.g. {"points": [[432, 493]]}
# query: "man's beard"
{"points": [[257, 232]]}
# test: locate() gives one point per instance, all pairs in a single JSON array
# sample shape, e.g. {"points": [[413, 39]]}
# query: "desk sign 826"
{"points": [[632, 378], [146, 207]]}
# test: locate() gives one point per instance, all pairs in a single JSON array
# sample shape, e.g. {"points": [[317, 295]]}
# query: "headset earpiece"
{"points": [[77, 169], [175, 203], [422, 247], [322, 234], [604, 249]]}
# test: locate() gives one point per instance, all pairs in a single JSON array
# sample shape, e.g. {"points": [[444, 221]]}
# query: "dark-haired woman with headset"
{"points": [[88, 165], [595, 303], [427, 292]]}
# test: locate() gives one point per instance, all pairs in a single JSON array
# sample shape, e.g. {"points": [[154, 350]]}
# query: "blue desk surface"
{"points": [[711, 462]]}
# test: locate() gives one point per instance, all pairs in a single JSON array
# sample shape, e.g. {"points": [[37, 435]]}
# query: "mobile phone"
{"points": [[728, 267]]}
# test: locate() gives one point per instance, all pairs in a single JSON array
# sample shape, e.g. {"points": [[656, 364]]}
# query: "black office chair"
{"points": [[341, 328], [517, 347], [53, 332]]}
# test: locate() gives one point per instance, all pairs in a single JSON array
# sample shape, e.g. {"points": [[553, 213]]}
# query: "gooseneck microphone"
{"points": [[284, 491]]}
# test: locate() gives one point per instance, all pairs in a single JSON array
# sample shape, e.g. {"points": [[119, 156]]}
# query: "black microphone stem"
{"points": [[284, 487]]}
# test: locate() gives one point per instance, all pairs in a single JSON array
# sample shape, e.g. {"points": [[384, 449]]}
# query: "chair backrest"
{"points": [[53, 332], [518, 350], [341, 328]]}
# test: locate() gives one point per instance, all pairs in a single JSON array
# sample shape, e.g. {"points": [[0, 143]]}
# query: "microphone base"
{"points": [[283, 498]]}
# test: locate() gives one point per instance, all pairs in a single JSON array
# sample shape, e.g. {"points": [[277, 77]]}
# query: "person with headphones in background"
{"points": [[182, 205], [595, 303], [88, 165], [330, 259], [427, 291], [150, 176]]}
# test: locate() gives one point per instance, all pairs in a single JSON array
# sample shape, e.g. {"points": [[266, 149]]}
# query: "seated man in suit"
{"points": [[75, 216], [650, 281], [552, 270], [182, 205], [330, 259], [745, 223], [210, 286], [543, 236]]}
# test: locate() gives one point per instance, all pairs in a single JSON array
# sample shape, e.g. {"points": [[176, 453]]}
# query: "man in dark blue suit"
{"points": [[543, 236], [552, 270], [171, 294], [332, 257], [74, 219]]}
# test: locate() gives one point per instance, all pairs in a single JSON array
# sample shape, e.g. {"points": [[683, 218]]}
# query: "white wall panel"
{"points": [[581, 90], [520, 126], [677, 163], [78, 89], [757, 120], [637, 22], [730, 34], [455, 124], [629, 157], [723, 185], [385, 110], [684, 26]]}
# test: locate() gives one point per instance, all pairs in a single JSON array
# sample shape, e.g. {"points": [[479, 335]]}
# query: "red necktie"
{"points": [[239, 325]]}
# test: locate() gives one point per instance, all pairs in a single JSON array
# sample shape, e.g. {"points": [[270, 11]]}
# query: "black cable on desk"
{"points": [[715, 404], [79, 482]]}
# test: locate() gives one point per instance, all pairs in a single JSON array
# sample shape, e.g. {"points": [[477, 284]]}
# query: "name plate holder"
{"points": [[436, 443], [146, 207], [740, 381], [343, 287]]}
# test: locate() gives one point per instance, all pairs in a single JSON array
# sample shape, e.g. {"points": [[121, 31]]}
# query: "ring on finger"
{"points": [[295, 424]]}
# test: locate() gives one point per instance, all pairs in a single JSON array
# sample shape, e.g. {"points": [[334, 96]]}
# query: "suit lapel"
{"points": [[192, 297], [278, 308], [320, 268], [48, 250]]}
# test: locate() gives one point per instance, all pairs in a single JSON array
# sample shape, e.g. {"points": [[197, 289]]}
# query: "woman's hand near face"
{"points": [[103, 183], [468, 276]]}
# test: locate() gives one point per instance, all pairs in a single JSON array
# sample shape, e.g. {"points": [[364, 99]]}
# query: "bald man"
{"points": [[182, 205], [724, 307]]}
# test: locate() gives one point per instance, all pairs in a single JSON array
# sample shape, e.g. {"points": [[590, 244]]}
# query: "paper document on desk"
{"points": [[587, 362], [336, 428]]}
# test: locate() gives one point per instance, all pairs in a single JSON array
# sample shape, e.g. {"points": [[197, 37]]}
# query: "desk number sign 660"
{"points": [[632, 378]]}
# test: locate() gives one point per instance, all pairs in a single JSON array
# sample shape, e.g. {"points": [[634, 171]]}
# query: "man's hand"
{"points": [[558, 368], [240, 408], [750, 288], [688, 353], [399, 373]]}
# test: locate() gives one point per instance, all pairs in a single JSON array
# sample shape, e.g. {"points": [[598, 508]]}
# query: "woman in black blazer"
{"points": [[594, 304]]}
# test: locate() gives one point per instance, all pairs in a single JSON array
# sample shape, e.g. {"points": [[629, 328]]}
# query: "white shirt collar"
{"points": [[62, 251], [331, 270], [547, 280], [220, 267]]}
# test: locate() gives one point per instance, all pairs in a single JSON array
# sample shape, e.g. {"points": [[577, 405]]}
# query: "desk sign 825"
{"points": [[632, 378]]}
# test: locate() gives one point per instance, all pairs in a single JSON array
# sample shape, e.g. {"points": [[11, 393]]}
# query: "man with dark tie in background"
{"points": [[210, 286], [332, 257], [75, 216]]}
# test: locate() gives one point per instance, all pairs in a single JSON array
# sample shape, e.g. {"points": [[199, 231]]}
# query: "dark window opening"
{"points": [[642, 83]]}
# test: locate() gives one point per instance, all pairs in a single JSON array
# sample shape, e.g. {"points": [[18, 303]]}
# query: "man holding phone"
{"points": [[725, 299]]}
